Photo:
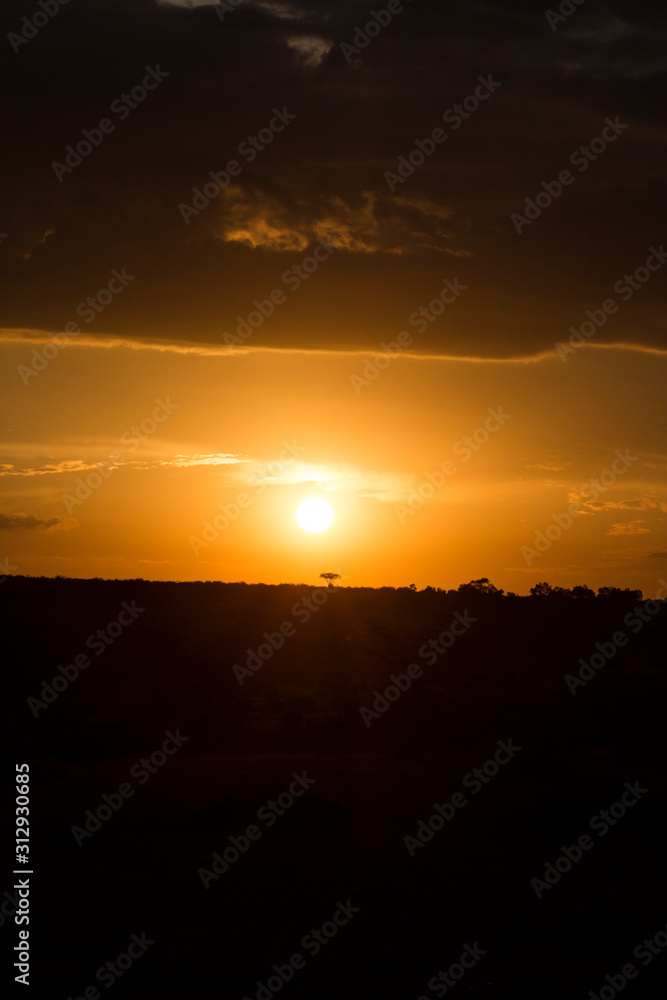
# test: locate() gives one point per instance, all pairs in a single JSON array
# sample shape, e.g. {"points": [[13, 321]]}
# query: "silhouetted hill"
{"points": [[175, 661]]}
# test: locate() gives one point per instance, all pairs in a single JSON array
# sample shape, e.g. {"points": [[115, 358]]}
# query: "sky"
{"points": [[410, 262]]}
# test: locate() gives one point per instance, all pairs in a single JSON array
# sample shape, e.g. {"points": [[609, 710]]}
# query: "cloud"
{"points": [[330, 478], [259, 220], [282, 11], [352, 126], [310, 49], [285, 11], [637, 503], [550, 467], [656, 555], [187, 461], [40, 242], [115, 461], [29, 522], [33, 337], [629, 528], [373, 223], [386, 487], [607, 34], [64, 467], [646, 502]]}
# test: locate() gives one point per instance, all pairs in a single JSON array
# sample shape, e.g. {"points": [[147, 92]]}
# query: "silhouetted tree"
{"points": [[583, 591], [481, 586], [330, 577], [617, 592], [541, 590]]}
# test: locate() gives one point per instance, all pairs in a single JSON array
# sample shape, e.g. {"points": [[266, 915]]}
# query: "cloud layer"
{"points": [[30, 522], [324, 175]]}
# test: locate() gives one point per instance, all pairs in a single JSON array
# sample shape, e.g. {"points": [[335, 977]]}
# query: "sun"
{"points": [[314, 515]]}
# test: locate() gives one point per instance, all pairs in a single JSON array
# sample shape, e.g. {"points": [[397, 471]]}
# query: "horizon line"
{"points": [[499, 592]]}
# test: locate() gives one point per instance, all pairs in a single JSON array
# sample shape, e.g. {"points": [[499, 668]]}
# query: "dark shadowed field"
{"points": [[147, 866]]}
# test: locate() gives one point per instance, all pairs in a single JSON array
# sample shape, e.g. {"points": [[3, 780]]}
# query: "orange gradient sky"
{"points": [[367, 450], [412, 193]]}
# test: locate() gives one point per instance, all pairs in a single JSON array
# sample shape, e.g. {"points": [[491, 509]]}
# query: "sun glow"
{"points": [[314, 515]]}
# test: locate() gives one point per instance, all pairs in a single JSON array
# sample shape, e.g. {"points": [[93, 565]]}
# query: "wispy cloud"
{"points": [[29, 522], [647, 502], [387, 487], [187, 461], [630, 528], [34, 337], [283, 11], [72, 466], [55, 468], [40, 242], [334, 478], [276, 8], [374, 223], [550, 466], [310, 50]]}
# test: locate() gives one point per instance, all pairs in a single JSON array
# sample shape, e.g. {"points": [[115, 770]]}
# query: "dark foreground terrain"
{"points": [[148, 711]]}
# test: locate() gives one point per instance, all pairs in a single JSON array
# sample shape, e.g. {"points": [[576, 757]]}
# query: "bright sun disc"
{"points": [[314, 515]]}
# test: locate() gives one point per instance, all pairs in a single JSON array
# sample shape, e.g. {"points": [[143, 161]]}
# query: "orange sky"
{"points": [[472, 186], [365, 448]]}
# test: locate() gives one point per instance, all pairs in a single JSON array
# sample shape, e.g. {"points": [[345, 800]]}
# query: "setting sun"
{"points": [[314, 515]]}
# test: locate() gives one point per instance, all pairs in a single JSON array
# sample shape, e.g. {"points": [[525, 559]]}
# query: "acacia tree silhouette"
{"points": [[330, 577]]}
